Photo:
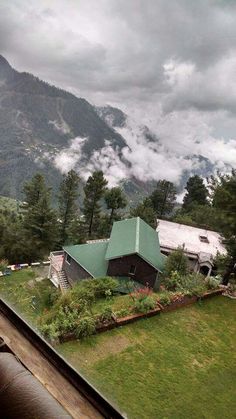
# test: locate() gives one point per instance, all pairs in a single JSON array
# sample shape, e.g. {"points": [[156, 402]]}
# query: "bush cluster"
{"points": [[213, 283], [106, 314], [122, 313], [190, 284], [164, 299], [143, 300], [72, 312]]}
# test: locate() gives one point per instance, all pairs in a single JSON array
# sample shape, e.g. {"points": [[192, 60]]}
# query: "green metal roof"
{"points": [[90, 256], [135, 236]]}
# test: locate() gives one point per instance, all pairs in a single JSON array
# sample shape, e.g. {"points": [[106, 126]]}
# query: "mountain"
{"points": [[38, 120], [44, 128]]}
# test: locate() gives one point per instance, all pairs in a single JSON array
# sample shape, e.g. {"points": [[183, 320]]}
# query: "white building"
{"points": [[200, 246]]}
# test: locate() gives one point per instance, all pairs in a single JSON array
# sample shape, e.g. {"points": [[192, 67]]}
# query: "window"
{"points": [[204, 239], [68, 258], [132, 270]]}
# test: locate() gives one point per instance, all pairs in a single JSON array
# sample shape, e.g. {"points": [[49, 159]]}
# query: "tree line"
{"points": [[39, 228]]}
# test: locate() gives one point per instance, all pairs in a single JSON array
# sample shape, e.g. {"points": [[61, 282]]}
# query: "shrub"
{"points": [[144, 305], [85, 327], [106, 314], [49, 331], [192, 284], [3, 265], [49, 298], [122, 313], [172, 282], [164, 299], [103, 285], [212, 283], [64, 300], [176, 261]]}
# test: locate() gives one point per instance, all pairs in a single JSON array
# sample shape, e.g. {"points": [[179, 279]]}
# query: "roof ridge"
{"points": [[137, 235]]}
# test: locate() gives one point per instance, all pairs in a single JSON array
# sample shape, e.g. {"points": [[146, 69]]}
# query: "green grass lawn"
{"points": [[177, 365], [180, 364], [24, 293]]}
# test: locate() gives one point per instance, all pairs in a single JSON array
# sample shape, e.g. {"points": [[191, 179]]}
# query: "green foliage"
{"points": [[212, 282], [164, 299], [163, 198], [144, 305], [68, 209], [146, 212], [122, 313], [94, 190], [192, 284], [35, 190], [224, 201], [50, 331], [115, 200], [203, 216], [101, 286], [85, 327], [143, 300], [171, 282], [176, 262], [106, 314], [188, 284], [40, 227], [3, 264], [50, 297], [64, 320], [197, 193], [72, 311]]}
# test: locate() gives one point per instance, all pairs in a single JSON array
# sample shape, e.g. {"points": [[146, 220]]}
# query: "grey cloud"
{"points": [[118, 52]]}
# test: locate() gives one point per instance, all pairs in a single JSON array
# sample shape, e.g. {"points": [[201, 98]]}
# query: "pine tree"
{"points": [[35, 189], [146, 212], [197, 193], [115, 200], [40, 220], [224, 201], [40, 227], [94, 190], [163, 198], [68, 209]]}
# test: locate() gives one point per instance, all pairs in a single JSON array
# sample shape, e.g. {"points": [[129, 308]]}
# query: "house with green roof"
{"points": [[132, 251]]}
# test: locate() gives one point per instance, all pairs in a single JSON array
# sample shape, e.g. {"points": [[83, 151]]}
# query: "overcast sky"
{"points": [[171, 64]]}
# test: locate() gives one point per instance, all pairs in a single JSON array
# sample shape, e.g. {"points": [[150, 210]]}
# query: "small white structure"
{"points": [[200, 246]]}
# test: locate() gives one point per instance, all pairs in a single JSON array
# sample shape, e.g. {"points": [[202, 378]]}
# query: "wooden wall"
{"points": [[144, 273], [74, 271]]}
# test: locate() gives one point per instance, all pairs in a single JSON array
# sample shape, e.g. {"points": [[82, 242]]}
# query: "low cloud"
{"points": [[68, 158], [186, 150], [171, 65]]}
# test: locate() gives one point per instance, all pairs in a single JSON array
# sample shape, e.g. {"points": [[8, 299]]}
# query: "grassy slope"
{"points": [[20, 288], [177, 365]]}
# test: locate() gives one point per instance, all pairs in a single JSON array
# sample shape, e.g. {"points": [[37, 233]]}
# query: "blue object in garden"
{"points": [[7, 272]]}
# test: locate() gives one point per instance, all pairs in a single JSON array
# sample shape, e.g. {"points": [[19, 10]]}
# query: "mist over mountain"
{"points": [[44, 128]]}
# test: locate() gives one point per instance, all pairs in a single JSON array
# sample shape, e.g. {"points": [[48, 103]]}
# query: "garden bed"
{"points": [[118, 322]]}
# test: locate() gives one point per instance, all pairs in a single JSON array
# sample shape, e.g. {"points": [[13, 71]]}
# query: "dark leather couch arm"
{"points": [[22, 396]]}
